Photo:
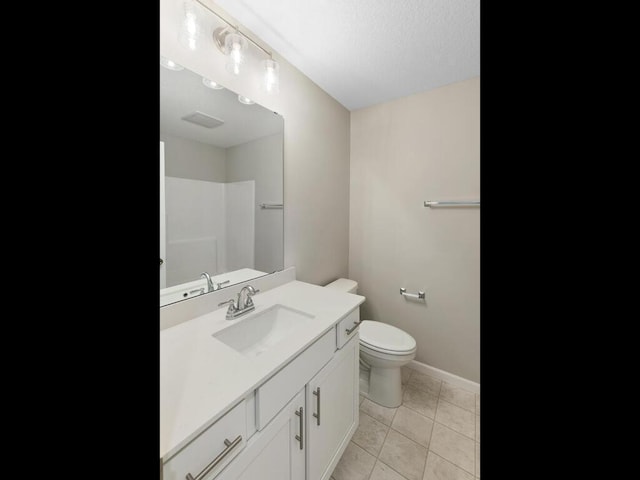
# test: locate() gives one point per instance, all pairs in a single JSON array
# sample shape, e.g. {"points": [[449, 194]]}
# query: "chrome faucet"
{"points": [[243, 304], [248, 303], [210, 287]]}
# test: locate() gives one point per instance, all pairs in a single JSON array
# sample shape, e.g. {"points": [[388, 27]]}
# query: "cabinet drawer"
{"points": [[347, 327], [276, 392], [209, 447]]}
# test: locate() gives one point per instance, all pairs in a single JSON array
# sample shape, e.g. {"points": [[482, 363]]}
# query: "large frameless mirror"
{"points": [[221, 187]]}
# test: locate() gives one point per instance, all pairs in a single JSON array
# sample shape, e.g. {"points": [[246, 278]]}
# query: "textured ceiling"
{"points": [[364, 52]]}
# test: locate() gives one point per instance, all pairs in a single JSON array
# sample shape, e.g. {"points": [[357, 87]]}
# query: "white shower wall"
{"points": [[240, 212], [197, 233]]}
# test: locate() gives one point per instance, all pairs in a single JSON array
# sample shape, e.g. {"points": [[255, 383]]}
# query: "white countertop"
{"points": [[201, 377]]}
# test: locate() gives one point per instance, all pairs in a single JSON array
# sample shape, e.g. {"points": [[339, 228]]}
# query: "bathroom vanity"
{"points": [[271, 395]]}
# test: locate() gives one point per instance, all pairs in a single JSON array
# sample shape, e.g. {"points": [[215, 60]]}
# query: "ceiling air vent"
{"points": [[203, 120]]}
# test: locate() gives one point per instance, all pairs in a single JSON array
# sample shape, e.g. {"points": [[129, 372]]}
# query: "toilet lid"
{"points": [[384, 337]]}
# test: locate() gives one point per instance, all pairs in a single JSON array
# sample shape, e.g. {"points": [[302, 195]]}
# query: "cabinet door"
{"points": [[274, 453], [332, 395]]}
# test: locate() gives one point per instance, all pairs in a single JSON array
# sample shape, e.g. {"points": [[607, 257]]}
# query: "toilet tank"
{"points": [[344, 285]]}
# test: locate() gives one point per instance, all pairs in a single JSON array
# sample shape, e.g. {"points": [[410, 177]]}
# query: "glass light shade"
{"points": [[190, 33], [170, 64], [245, 100], [211, 84], [234, 47], [271, 82]]}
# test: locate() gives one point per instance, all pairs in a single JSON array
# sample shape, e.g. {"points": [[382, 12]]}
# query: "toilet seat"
{"points": [[385, 338]]}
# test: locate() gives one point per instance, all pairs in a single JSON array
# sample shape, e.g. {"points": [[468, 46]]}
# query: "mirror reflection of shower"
{"points": [[222, 160]]}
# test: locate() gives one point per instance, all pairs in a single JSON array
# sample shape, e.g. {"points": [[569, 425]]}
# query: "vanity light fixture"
{"points": [[233, 43], [190, 31], [170, 64], [211, 84], [271, 83], [245, 100], [234, 47]]}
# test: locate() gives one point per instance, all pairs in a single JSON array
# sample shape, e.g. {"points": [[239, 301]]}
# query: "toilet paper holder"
{"points": [[417, 296]]}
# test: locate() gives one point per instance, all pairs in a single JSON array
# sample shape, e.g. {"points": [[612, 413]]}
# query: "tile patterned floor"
{"points": [[433, 435]]}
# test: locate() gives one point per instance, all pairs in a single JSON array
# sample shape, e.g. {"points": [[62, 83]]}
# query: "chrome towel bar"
{"points": [[417, 296], [434, 203], [271, 205]]}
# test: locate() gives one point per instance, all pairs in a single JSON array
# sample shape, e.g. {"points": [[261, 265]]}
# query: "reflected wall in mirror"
{"points": [[221, 188]]}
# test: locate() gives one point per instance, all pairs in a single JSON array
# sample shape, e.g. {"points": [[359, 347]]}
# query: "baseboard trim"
{"points": [[445, 376]]}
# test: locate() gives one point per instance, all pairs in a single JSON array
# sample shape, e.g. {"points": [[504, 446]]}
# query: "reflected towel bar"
{"points": [[432, 203], [271, 205]]}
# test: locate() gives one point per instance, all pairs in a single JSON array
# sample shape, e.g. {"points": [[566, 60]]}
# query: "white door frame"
{"points": [[163, 228]]}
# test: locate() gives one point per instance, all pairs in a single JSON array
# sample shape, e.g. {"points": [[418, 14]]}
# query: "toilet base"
{"points": [[364, 381], [384, 386]]}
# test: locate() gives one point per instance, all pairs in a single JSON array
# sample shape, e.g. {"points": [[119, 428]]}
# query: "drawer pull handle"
{"points": [[317, 394], [355, 325], [229, 446], [300, 437]]}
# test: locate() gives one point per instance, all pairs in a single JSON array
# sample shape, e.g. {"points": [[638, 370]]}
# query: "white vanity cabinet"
{"points": [[332, 411], [306, 439], [212, 450], [294, 425], [278, 452]]}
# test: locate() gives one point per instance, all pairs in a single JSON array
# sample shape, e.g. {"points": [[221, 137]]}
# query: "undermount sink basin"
{"points": [[258, 332]]}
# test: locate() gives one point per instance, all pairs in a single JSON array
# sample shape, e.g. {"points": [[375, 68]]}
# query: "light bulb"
{"points": [[190, 31], [271, 83], [170, 64], [234, 46], [245, 100], [211, 84]]}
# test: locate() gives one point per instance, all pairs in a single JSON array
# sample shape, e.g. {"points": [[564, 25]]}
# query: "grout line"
{"points": [[475, 432], [412, 440], [445, 425], [421, 391], [450, 462], [385, 436], [378, 456], [391, 468], [428, 449], [474, 399], [419, 413], [361, 448], [474, 451]]}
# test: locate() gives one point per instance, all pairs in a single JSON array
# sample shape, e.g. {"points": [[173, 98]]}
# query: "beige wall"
{"points": [[195, 160], [421, 147], [316, 148]]}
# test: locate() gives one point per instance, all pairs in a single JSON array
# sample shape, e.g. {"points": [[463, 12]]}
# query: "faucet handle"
{"points": [[231, 303], [218, 285]]}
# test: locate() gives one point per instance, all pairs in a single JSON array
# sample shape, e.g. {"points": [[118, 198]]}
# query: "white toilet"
{"points": [[383, 350]]}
